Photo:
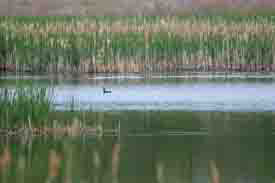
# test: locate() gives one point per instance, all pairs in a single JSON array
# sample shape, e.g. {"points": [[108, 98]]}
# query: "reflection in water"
{"points": [[160, 172], [54, 165], [5, 159], [234, 151], [214, 172], [170, 159], [115, 162]]}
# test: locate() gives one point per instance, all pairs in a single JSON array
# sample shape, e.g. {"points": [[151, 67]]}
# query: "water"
{"points": [[173, 129], [195, 92], [234, 147]]}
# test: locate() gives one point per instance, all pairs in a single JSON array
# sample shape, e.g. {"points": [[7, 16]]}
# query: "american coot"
{"points": [[106, 91]]}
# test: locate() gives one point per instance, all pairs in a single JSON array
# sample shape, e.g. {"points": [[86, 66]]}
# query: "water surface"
{"points": [[183, 128], [194, 92], [234, 148]]}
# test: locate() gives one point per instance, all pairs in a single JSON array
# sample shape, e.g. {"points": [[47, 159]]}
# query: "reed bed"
{"points": [[31, 111], [24, 106], [137, 44]]}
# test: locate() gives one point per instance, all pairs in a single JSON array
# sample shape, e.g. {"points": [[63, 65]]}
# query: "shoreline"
{"points": [[171, 68]]}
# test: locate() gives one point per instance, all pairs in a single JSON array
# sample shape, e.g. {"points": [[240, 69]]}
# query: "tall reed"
{"points": [[137, 44], [24, 105]]}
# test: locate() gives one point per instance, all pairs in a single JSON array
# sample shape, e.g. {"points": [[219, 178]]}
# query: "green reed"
{"points": [[24, 105], [135, 44], [33, 107]]}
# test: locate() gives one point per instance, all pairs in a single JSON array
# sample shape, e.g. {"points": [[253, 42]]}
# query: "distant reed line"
{"points": [[137, 44]]}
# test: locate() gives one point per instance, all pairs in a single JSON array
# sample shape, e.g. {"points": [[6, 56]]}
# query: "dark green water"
{"points": [[163, 147]]}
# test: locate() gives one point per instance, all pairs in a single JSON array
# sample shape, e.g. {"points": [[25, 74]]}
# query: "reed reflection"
{"points": [[214, 173], [5, 159], [54, 166], [115, 161], [229, 153]]}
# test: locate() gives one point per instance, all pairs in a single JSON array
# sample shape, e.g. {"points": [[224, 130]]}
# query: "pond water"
{"points": [[173, 129], [195, 92]]}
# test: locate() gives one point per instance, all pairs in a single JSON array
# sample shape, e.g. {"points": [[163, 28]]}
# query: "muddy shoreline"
{"points": [[140, 68]]}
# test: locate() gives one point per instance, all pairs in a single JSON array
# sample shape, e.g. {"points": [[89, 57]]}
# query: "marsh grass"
{"points": [[137, 44], [24, 105], [21, 105], [31, 111]]}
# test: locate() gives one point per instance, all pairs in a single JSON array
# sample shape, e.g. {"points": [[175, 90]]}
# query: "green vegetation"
{"points": [[30, 111], [137, 44], [24, 105], [33, 107]]}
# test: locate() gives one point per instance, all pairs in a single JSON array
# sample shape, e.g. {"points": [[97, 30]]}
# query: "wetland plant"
{"points": [[24, 105], [31, 111], [138, 44]]}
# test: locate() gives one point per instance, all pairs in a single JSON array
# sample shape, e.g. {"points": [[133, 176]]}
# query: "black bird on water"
{"points": [[106, 91]]}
